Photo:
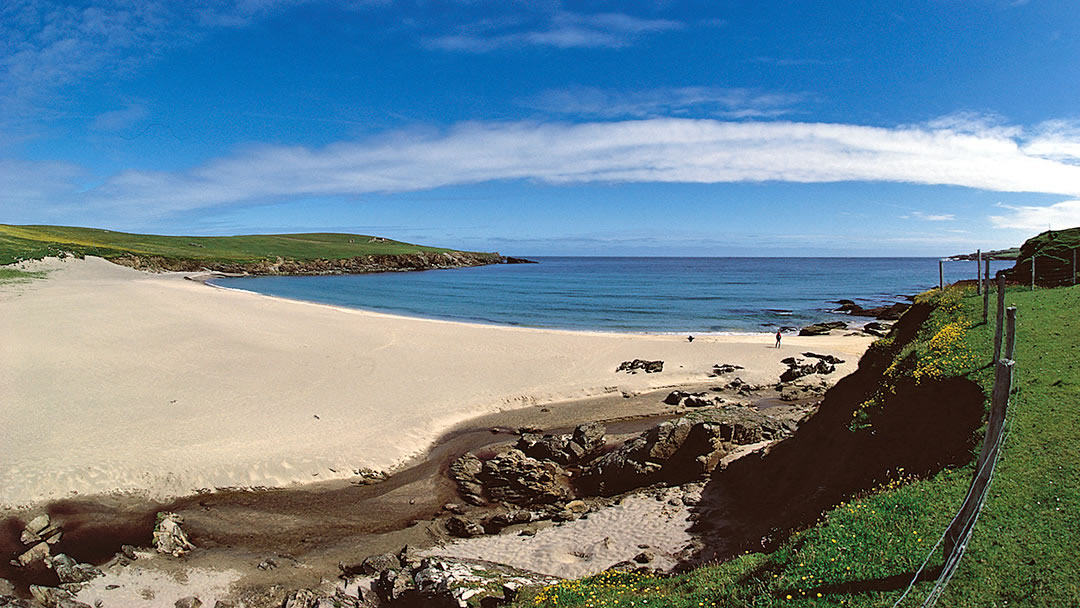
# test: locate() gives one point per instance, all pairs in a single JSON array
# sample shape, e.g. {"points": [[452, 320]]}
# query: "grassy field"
{"points": [[864, 551], [18, 243]]}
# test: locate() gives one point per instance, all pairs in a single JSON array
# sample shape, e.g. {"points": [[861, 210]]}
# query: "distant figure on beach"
{"points": [[689, 338], [778, 336]]}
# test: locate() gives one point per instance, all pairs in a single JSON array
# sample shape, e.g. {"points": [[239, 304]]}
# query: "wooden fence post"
{"points": [[986, 292], [1032, 272], [1000, 315], [978, 271], [999, 402], [1010, 331], [941, 274]]}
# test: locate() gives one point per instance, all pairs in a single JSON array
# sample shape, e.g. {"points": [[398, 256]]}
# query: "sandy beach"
{"points": [[117, 380]]}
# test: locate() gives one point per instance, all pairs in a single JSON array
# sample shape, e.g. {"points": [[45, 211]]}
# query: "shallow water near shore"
{"points": [[622, 294]]}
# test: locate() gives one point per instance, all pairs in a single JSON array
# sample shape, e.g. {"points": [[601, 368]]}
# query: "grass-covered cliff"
{"points": [[317, 253], [864, 490]]}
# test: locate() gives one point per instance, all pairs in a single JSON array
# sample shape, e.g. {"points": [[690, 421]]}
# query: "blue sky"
{"points": [[656, 128]]}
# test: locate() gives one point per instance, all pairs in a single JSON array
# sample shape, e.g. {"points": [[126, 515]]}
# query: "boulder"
{"points": [[797, 368], [301, 598], [169, 536], [70, 571], [511, 517], [38, 552], [465, 471], [457, 583], [826, 358], [463, 527], [6, 588], [392, 586], [188, 602], [515, 478], [633, 367], [377, 563], [877, 329], [821, 329], [52, 597], [723, 368]]}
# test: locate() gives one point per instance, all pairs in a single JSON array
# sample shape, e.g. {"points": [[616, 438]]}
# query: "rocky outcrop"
{"points": [[169, 536], [891, 312], [677, 451], [442, 582], [877, 329], [685, 399], [421, 260], [70, 571], [52, 597], [633, 367], [720, 369], [821, 329], [38, 536], [510, 477], [797, 368], [585, 442]]}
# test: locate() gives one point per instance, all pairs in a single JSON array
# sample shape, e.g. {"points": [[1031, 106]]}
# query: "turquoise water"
{"points": [[684, 295]]}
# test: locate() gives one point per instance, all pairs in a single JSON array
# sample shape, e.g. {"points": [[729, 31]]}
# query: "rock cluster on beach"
{"points": [[797, 368], [633, 367]]}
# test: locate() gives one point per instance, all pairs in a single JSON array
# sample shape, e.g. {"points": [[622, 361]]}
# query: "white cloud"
{"points": [[710, 101], [933, 217], [654, 150], [563, 29], [1035, 218], [1056, 139]]}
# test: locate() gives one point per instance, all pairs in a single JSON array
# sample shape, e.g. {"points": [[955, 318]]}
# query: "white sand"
{"points": [[114, 379], [591, 545], [152, 584]]}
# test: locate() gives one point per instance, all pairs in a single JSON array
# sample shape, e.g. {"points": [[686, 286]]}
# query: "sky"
{"points": [[722, 127]]}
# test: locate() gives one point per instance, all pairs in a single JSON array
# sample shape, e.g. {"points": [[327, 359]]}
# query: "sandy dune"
{"points": [[113, 379]]}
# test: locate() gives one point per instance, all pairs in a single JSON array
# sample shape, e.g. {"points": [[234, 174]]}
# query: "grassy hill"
{"points": [[34, 242], [865, 548]]}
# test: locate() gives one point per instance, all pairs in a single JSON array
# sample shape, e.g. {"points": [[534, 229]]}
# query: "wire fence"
{"points": [[954, 540]]}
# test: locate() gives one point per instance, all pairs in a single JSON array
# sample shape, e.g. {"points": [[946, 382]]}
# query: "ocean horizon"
{"points": [[697, 295]]}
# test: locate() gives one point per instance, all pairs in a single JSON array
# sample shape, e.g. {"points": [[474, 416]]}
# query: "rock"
{"points": [[52, 597], [821, 329], [70, 571], [577, 506], [461, 583], [40, 528], [301, 598], [586, 441], [38, 552], [723, 368], [826, 358], [129, 552], [169, 536], [496, 523], [377, 563], [392, 586], [463, 527], [456, 509], [633, 367], [188, 602], [797, 368], [408, 557], [466, 472], [686, 399], [877, 329], [645, 557], [515, 478]]}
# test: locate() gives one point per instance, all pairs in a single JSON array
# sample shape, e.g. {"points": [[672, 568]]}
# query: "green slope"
{"points": [[862, 552], [19, 243]]}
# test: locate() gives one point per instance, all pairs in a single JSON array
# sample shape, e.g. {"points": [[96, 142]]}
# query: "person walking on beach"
{"points": [[778, 338]]}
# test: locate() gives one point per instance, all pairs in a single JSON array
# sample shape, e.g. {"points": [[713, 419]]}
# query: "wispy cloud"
{"points": [[680, 101], [931, 217], [1036, 218], [117, 120], [562, 29], [653, 150]]}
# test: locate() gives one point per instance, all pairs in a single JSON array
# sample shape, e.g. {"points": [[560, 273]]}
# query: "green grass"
{"points": [[862, 552], [19, 243], [9, 275]]}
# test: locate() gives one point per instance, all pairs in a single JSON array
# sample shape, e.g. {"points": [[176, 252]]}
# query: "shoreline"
{"points": [[233, 389]]}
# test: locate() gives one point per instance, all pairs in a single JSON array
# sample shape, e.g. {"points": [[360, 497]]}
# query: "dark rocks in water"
{"points": [[586, 441], [633, 367], [512, 260], [821, 329], [827, 358], [720, 369], [891, 312], [797, 368]]}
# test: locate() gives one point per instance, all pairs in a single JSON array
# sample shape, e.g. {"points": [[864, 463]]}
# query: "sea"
{"points": [[699, 295]]}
